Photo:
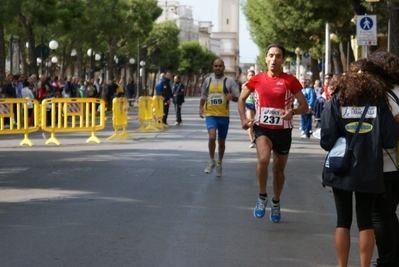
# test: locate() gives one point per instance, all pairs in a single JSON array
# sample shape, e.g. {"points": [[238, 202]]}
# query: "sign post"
{"points": [[366, 31]]}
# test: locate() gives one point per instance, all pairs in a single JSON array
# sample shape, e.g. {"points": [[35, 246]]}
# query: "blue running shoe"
{"points": [[259, 210], [275, 214]]}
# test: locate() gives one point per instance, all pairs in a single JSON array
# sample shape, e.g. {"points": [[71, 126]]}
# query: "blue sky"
{"points": [[207, 10]]}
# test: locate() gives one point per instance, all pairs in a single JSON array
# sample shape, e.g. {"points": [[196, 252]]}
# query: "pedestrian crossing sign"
{"points": [[366, 30]]}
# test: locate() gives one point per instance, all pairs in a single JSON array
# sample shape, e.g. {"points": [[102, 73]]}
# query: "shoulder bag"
{"points": [[339, 157]]}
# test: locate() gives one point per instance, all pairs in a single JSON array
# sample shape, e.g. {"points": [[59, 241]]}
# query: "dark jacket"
{"points": [[379, 130], [71, 87], [9, 91], [178, 89], [166, 90]]}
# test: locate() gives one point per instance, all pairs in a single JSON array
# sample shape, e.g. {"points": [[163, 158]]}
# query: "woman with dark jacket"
{"points": [[364, 178], [178, 98]]}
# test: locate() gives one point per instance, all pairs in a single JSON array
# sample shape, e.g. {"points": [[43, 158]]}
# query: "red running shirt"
{"points": [[273, 95]]}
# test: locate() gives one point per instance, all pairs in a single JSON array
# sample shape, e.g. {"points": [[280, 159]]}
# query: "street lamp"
{"points": [[73, 61], [142, 74], [298, 52], [131, 62], [53, 46], [90, 53]]}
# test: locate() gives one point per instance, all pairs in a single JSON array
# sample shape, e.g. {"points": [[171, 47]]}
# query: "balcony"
{"points": [[229, 52]]}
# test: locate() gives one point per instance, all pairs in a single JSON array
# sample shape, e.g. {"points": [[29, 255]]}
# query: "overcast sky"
{"points": [[207, 10]]}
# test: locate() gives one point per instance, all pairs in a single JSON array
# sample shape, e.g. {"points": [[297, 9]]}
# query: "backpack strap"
{"points": [[209, 84], [393, 96], [224, 86]]}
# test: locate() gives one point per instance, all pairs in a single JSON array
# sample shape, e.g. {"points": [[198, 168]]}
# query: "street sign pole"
{"points": [[366, 31]]}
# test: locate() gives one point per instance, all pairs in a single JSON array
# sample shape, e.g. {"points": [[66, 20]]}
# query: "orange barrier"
{"points": [[16, 109], [60, 115], [120, 118], [145, 112], [158, 106]]}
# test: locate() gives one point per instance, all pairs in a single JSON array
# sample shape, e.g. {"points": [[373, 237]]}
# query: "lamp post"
{"points": [[131, 62], [54, 61], [138, 68], [53, 46], [142, 74], [90, 53], [298, 52]]}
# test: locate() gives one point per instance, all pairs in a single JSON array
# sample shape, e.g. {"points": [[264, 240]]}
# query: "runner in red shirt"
{"points": [[274, 93]]}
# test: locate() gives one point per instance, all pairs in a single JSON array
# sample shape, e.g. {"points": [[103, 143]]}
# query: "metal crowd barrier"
{"points": [[16, 110], [145, 112], [119, 118], [60, 115], [158, 106]]}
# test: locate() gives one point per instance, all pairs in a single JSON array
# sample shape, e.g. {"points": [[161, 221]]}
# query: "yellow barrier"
{"points": [[145, 114], [60, 115], [14, 108], [158, 106], [120, 118]]}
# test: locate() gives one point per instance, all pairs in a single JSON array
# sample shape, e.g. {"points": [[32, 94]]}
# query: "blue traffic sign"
{"points": [[366, 23]]}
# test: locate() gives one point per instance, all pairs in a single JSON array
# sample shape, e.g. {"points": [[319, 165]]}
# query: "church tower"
{"points": [[229, 16], [228, 34]]}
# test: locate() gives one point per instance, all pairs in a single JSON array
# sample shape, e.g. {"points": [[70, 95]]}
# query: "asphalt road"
{"points": [[147, 202]]}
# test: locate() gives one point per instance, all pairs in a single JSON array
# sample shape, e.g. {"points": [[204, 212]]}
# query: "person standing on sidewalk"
{"points": [[178, 97], [250, 111], [274, 104], [385, 221], [166, 92], [216, 93], [306, 118], [363, 181]]}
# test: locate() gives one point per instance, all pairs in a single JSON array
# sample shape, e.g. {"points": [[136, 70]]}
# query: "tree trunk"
{"points": [[314, 67], [2, 54], [349, 56], [112, 45], [337, 67], [79, 59], [33, 69], [393, 15], [22, 57]]}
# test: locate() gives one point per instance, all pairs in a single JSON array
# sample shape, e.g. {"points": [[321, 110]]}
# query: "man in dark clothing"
{"points": [[70, 86], [167, 95], [130, 91], [111, 91], [178, 98]]}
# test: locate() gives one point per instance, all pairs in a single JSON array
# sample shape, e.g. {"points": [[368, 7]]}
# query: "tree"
{"points": [[127, 21], [162, 46], [5, 17], [301, 23], [195, 60], [29, 14], [190, 64]]}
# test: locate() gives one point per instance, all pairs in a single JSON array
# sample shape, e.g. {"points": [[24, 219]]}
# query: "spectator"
{"points": [[178, 98], [364, 178]]}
